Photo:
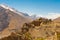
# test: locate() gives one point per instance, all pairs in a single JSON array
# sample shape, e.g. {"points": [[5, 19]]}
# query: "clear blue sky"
{"points": [[38, 7]]}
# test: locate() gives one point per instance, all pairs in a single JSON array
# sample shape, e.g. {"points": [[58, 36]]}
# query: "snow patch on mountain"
{"points": [[11, 9]]}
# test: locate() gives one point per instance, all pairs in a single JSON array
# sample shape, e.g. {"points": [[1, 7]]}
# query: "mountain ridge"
{"points": [[11, 20]]}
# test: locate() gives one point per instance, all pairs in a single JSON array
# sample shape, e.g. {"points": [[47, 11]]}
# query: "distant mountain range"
{"points": [[12, 20], [57, 19]]}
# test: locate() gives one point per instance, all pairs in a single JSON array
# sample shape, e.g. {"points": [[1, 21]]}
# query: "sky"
{"points": [[43, 8]]}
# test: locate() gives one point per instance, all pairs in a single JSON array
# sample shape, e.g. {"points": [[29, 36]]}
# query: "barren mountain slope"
{"points": [[11, 20], [57, 19]]}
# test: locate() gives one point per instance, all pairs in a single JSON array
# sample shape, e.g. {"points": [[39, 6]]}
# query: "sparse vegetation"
{"points": [[44, 27], [40, 39]]}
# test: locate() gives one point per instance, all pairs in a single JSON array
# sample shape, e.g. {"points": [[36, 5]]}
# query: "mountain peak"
{"points": [[6, 7], [9, 8]]}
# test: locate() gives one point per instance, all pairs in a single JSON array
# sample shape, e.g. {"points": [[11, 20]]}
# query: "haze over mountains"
{"points": [[12, 20]]}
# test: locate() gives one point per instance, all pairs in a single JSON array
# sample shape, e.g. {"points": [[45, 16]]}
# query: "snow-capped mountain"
{"points": [[6, 7], [20, 13], [11, 19], [11, 9]]}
